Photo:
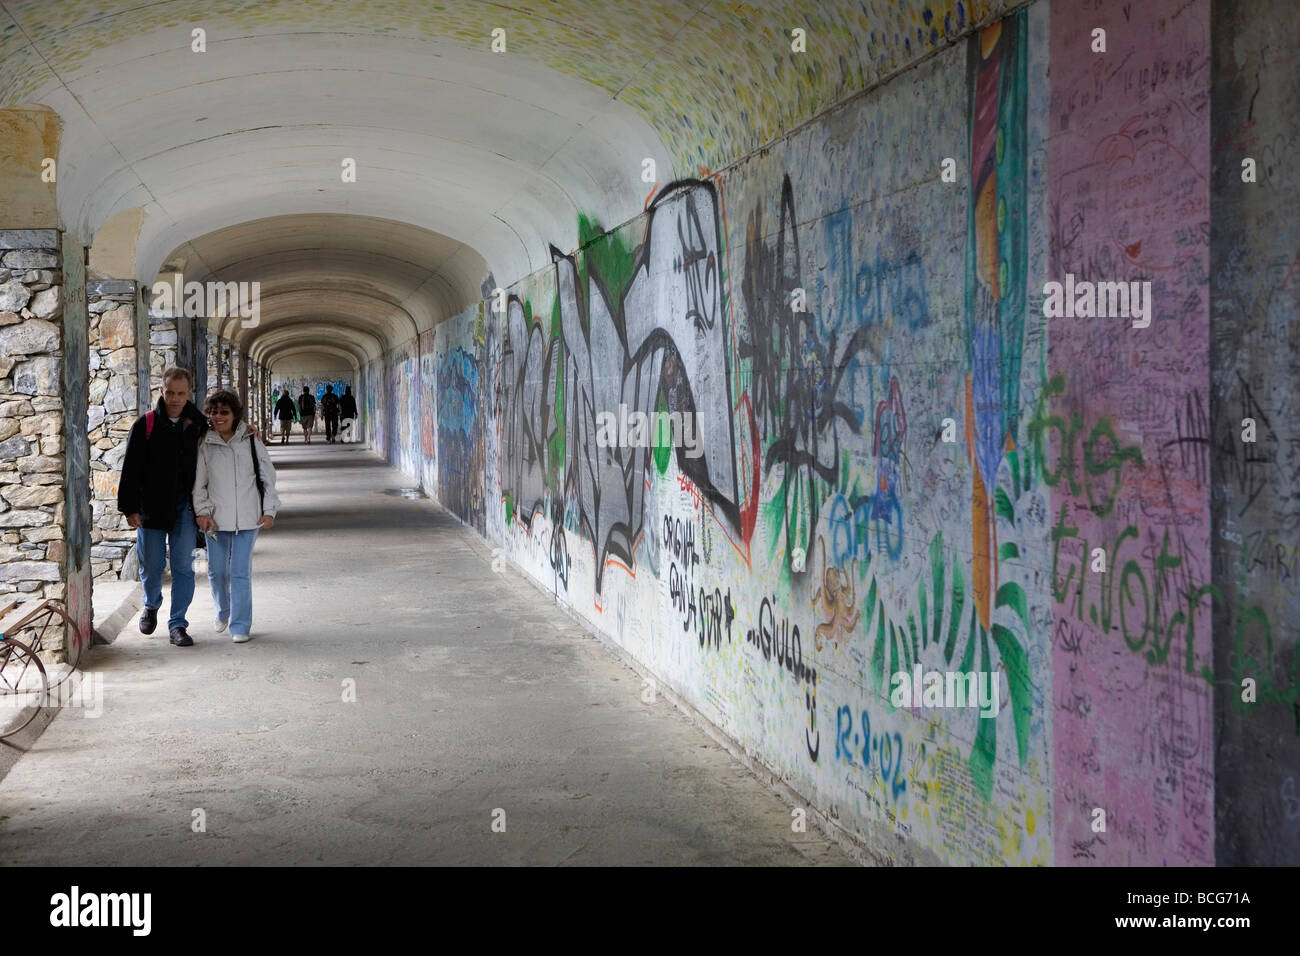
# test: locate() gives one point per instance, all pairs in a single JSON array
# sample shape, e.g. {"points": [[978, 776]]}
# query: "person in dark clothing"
{"points": [[348, 414], [307, 412], [348, 403], [329, 409], [286, 412], [154, 495]]}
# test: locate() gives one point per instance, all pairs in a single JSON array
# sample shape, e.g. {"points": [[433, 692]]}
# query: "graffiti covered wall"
{"points": [[803, 426]]}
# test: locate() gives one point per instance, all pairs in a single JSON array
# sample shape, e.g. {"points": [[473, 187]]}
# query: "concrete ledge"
{"points": [[12, 748], [125, 599]]}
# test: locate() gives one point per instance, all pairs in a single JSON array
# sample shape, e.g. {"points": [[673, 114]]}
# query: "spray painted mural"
{"points": [[866, 453]]}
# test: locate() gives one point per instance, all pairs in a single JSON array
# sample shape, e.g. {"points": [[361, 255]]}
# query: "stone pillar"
{"points": [[43, 466], [144, 396], [263, 384], [239, 365], [76, 445], [31, 413], [162, 350], [185, 342], [255, 389], [114, 406], [201, 380]]}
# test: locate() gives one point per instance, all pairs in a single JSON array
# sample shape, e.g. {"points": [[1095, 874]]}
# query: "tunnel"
{"points": [[841, 433]]}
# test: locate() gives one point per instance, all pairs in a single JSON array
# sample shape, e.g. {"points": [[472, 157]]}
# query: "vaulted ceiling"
{"points": [[468, 162]]}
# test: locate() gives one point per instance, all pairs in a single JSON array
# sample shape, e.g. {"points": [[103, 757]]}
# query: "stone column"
{"points": [[76, 457], [114, 406], [31, 414], [201, 380], [259, 400], [255, 389], [185, 342], [212, 361], [239, 365], [162, 350], [144, 396], [43, 466]]}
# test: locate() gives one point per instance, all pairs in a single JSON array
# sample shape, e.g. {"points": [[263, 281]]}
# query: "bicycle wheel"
{"points": [[22, 684]]}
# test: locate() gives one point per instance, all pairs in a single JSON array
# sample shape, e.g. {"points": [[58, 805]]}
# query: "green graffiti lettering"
{"points": [[1132, 567], [1114, 462], [1164, 561], [1059, 532]]}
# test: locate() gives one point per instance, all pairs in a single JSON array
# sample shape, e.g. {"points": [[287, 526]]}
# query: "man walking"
{"points": [[307, 412], [348, 412], [154, 495], [329, 407], [286, 413]]}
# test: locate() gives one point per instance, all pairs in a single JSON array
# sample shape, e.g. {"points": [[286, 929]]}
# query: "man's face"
{"points": [[175, 394]]}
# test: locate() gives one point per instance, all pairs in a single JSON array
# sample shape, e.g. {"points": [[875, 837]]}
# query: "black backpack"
{"points": [[307, 404]]}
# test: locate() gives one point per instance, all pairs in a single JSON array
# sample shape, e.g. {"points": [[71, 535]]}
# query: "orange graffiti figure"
{"points": [[838, 594]]}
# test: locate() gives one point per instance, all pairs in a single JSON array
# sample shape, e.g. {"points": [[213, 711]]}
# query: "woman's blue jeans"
{"points": [[230, 572]]}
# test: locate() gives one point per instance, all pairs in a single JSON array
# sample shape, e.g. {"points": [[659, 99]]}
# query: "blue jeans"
{"points": [[152, 546], [230, 572]]}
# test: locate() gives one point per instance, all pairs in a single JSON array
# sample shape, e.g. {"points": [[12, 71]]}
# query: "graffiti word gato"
{"points": [[1103, 300], [648, 429]]}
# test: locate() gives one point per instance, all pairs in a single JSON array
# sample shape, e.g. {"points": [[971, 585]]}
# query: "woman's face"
{"points": [[222, 418]]}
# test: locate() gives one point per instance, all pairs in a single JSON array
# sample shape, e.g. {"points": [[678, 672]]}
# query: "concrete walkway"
{"points": [[473, 693]]}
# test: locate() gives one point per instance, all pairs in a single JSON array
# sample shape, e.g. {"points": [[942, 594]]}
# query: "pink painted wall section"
{"points": [[1122, 422]]}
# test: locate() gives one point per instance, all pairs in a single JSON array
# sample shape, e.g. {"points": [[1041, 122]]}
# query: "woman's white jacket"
{"points": [[225, 485]]}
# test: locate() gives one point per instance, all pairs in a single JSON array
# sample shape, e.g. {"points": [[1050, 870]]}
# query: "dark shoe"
{"points": [[148, 620], [180, 638]]}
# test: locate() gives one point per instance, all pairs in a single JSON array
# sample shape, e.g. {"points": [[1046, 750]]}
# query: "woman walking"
{"points": [[234, 497]]}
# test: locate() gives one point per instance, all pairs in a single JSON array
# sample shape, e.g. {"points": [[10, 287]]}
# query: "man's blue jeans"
{"points": [[152, 546], [230, 572]]}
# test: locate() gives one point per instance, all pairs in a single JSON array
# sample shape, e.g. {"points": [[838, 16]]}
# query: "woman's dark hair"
{"points": [[230, 400]]}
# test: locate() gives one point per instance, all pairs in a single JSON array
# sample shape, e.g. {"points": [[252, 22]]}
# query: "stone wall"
{"points": [[162, 353], [113, 409], [213, 363], [202, 384], [32, 509]]}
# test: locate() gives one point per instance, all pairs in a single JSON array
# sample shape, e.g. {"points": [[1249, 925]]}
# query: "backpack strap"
{"points": [[257, 476], [148, 424]]}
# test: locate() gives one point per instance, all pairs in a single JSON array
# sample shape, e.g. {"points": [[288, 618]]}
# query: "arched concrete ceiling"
{"points": [[366, 272], [490, 150], [320, 326], [305, 351], [488, 158], [311, 360], [714, 79], [426, 275]]}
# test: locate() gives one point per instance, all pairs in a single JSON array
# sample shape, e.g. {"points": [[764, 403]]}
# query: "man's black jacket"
{"points": [[285, 410], [348, 406], [329, 405], [158, 470]]}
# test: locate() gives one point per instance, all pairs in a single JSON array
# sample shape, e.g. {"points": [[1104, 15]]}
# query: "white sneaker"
{"points": [[239, 638], [219, 627]]}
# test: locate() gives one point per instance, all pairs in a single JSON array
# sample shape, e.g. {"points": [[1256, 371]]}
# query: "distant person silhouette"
{"points": [[307, 411], [348, 414], [329, 408], [286, 413]]}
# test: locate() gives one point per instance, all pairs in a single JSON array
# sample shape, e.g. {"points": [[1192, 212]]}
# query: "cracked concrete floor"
{"points": [[473, 693]]}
